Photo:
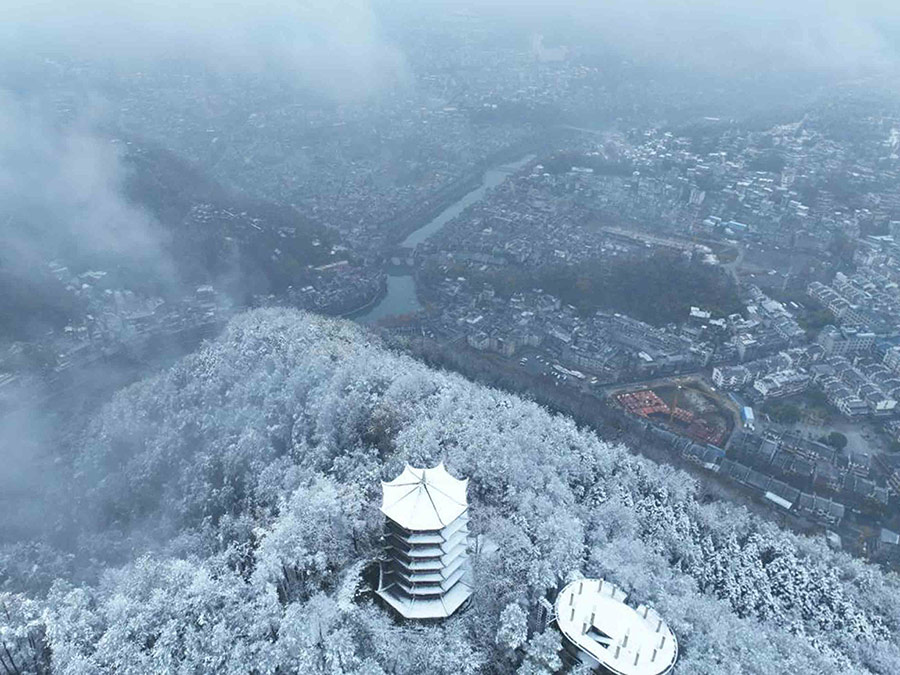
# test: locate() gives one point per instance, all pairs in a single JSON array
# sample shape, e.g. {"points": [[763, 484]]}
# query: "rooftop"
{"points": [[433, 607], [424, 499], [592, 614]]}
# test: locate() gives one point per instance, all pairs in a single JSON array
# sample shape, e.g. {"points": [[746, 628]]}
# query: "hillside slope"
{"points": [[221, 510]]}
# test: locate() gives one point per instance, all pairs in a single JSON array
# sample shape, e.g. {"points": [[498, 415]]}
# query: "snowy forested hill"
{"points": [[218, 515]]}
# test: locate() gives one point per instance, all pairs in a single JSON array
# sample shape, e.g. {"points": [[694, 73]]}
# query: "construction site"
{"points": [[684, 409]]}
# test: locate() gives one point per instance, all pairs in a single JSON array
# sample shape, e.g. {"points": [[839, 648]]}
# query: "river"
{"points": [[400, 297]]}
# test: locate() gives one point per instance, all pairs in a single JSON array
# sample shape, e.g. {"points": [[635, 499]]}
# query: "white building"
{"points": [[731, 377], [782, 383], [426, 572], [603, 632], [841, 341], [892, 359]]}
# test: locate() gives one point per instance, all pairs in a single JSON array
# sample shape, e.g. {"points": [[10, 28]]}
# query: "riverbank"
{"points": [[401, 295], [363, 309], [401, 298], [407, 224]]}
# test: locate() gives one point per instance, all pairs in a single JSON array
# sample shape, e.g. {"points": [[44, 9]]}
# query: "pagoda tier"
{"points": [[426, 572]]}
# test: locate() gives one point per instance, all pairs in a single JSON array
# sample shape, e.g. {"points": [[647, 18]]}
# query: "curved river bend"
{"points": [[401, 289]]}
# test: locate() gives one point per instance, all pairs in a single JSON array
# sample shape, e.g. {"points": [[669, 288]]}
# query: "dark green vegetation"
{"points": [[842, 248], [836, 440], [175, 229], [217, 235], [811, 314], [658, 290], [35, 298], [768, 160], [782, 411], [215, 518], [814, 318]]}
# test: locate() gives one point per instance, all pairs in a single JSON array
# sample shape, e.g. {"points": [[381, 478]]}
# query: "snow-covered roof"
{"points": [[435, 607], [592, 614], [424, 499]]}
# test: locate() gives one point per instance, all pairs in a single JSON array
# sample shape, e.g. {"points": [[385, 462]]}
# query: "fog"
{"points": [[718, 36], [272, 129], [62, 179], [342, 48], [63, 194], [335, 46], [70, 179]]}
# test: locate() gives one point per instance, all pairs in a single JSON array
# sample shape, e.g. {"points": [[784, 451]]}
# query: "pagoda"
{"points": [[426, 572]]}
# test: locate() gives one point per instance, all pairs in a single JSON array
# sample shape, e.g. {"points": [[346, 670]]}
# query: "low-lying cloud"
{"points": [[62, 184], [721, 35], [63, 195], [334, 46]]}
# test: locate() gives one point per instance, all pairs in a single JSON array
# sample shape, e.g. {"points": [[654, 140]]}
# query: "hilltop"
{"points": [[218, 516]]}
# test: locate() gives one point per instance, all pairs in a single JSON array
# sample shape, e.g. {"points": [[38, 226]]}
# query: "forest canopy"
{"points": [[218, 517], [657, 289]]}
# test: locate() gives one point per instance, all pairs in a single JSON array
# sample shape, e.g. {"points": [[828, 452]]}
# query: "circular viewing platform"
{"points": [[602, 631]]}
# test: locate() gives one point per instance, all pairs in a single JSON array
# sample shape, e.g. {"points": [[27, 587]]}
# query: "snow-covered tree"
{"points": [[221, 506]]}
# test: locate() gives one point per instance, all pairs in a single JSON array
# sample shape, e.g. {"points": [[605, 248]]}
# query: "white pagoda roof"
{"points": [[424, 499], [439, 607]]}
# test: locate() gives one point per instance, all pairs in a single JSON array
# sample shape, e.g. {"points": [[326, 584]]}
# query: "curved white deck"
{"points": [[593, 617]]}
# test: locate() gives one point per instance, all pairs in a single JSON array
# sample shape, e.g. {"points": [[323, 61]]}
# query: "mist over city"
{"points": [[404, 337]]}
